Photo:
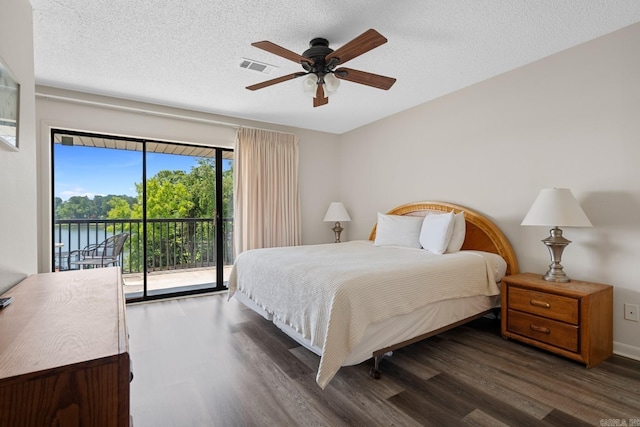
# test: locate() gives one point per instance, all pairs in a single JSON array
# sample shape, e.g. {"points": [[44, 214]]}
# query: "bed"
{"points": [[353, 301]]}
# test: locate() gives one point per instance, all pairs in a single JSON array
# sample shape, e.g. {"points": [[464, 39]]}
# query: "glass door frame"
{"points": [[218, 219]]}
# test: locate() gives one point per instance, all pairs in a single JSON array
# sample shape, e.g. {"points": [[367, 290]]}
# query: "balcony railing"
{"points": [[172, 244]]}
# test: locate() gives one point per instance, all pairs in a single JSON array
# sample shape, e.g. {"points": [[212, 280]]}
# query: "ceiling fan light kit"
{"points": [[322, 79], [311, 82]]}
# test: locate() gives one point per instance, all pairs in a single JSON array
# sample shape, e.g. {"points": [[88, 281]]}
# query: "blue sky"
{"points": [[88, 171]]}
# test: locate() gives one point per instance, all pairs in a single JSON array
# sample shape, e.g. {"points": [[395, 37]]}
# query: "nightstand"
{"points": [[573, 319]]}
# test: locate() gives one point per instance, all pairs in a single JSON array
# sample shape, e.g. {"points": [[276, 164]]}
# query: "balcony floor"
{"points": [[160, 282]]}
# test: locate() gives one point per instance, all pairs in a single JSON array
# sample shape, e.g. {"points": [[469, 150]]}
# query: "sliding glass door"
{"points": [[173, 202]]}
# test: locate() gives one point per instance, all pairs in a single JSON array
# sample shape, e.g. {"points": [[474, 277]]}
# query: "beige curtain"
{"points": [[267, 198]]}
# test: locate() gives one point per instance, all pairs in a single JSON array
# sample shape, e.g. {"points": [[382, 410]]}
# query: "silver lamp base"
{"points": [[556, 244], [337, 229]]}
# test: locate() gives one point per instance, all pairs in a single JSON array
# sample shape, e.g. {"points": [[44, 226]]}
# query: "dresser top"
{"points": [[59, 319]]}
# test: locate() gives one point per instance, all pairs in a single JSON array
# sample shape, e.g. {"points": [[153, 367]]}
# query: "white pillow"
{"points": [[397, 230], [458, 233], [436, 232]]}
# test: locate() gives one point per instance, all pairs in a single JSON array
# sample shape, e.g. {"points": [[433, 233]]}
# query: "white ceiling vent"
{"points": [[261, 67]]}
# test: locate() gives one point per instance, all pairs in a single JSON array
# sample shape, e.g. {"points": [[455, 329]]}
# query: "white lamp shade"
{"points": [[331, 84], [310, 84], [556, 207], [336, 213]]}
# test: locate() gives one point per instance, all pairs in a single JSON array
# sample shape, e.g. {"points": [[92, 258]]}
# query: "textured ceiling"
{"points": [[187, 53]]}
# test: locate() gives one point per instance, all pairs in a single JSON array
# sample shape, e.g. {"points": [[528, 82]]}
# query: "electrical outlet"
{"points": [[631, 312]]}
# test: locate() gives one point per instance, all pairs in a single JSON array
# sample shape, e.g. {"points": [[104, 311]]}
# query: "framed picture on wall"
{"points": [[9, 108]]}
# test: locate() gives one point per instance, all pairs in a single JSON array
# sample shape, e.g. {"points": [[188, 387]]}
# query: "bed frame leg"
{"points": [[375, 371]]}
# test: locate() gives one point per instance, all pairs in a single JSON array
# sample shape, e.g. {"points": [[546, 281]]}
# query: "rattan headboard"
{"points": [[481, 234]]}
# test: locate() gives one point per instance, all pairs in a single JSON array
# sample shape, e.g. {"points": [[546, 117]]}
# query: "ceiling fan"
{"points": [[320, 62]]}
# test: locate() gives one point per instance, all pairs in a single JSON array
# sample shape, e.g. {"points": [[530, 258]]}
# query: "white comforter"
{"points": [[330, 293]]}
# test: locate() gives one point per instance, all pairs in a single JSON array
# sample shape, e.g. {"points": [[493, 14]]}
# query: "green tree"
{"points": [[120, 208], [175, 195], [77, 207], [57, 202], [82, 207], [227, 193], [167, 195], [201, 182]]}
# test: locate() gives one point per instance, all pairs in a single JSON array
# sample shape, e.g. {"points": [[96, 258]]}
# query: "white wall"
{"points": [[56, 108], [569, 120], [18, 207]]}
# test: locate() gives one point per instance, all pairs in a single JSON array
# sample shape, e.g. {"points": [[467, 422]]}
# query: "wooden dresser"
{"points": [[64, 357], [573, 319]]}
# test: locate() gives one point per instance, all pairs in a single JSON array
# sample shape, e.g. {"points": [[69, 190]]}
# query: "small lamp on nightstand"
{"points": [[337, 213], [556, 207]]}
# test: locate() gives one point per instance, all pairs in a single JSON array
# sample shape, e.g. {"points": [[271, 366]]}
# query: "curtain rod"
{"points": [[148, 112], [134, 109], [268, 130]]}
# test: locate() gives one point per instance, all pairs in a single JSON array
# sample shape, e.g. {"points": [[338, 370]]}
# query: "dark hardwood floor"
{"points": [[206, 361]]}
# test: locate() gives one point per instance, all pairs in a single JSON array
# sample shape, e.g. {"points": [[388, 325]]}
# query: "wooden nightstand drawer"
{"points": [[545, 330], [556, 307], [573, 319]]}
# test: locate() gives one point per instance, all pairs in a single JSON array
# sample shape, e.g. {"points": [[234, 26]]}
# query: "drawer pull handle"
{"points": [[540, 329], [536, 303]]}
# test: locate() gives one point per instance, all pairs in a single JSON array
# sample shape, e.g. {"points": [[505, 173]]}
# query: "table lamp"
{"points": [[556, 207], [337, 213]]}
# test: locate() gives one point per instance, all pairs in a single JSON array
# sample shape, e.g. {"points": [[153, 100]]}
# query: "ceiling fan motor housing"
{"points": [[318, 50]]}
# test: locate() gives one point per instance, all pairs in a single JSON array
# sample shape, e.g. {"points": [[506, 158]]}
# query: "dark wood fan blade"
{"points": [[276, 80], [320, 99], [364, 78], [280, 51], [366, 41]]}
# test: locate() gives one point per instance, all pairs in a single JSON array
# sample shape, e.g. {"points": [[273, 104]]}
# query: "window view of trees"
{"points": [[189, 200], [180, 216], [82, 207], [170, 194]]}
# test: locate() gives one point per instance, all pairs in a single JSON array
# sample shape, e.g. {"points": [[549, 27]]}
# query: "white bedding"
{"points": [[331, 293], [397, 329]]}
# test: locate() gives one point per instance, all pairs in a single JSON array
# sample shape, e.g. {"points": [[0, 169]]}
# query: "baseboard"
{"points": [[626, 350]]}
